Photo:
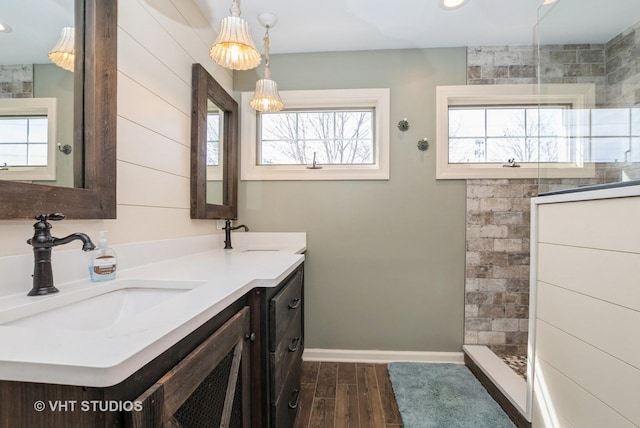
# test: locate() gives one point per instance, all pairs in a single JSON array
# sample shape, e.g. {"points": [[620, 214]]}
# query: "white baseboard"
{"points": [[368, 356]]}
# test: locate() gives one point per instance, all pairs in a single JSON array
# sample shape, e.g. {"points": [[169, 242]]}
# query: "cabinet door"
{"points": [[209, 388]]}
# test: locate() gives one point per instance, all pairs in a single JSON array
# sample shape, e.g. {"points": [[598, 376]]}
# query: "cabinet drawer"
{"points": [[288, 355], [284, 411], [283, 308]]}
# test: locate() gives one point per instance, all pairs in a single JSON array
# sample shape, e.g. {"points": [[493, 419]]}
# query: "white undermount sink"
{"points": [[115, 301]]}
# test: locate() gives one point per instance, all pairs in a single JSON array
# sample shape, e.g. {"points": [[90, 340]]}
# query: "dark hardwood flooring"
{"points": [[340, 395]]}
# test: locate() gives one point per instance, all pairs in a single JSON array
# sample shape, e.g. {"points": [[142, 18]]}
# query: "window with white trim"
{"points": [[509, 131], [320, 135], [215, 129], [27, 139]]}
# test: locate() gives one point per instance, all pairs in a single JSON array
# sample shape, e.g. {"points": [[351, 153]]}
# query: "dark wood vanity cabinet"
{"points": [[171, 387], [240, 369], [282, 336]]}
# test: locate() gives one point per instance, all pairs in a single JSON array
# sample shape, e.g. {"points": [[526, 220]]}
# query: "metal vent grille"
{"points": [[203, 409]]}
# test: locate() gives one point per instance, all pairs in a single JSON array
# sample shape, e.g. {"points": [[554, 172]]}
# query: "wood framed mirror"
{"points": [[94, 193], [214, 143]]}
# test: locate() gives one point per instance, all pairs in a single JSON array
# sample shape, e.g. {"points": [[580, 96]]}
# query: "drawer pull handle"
{"points": [[295, 344], [296, 396], [250, 337], [294, 303]]}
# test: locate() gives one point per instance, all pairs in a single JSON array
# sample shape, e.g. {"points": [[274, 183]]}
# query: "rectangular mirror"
{"points": [[93, 193], [214, 148]]}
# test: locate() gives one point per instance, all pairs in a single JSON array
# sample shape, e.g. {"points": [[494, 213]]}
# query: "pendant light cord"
{"points": [[267, 70], [235, 8]]}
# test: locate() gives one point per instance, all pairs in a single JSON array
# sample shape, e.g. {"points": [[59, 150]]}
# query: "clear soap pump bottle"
{"points": [[103, 263]]}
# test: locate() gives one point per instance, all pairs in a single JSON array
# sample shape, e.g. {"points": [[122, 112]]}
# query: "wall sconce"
{"points": [[234, 48], [63, 53], [423, 145], [403, 125], [266, 97], [66, 149]]}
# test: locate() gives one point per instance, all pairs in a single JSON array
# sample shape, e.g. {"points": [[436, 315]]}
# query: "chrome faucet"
{"points": [[227, 233], [42, 243]]}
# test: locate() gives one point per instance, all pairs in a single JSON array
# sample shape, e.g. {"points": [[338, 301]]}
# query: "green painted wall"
{"points": [[386, 259], [49, 80]]}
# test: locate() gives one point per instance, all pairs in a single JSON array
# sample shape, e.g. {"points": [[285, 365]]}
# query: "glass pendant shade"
{"points": [[234, 48], [63, 53], [266, 97]]}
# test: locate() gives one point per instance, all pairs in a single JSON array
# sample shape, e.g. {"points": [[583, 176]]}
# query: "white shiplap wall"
{"points": [[157, 44], [587, 346]]}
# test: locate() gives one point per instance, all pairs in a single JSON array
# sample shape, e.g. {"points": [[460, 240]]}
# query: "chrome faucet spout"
{"points": [[42, 243]]}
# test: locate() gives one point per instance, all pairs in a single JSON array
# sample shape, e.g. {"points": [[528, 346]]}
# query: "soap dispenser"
{"points": [[103, 263]]}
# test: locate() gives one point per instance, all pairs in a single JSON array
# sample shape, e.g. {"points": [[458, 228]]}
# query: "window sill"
{"points": [[471, 172], [326, 172]]}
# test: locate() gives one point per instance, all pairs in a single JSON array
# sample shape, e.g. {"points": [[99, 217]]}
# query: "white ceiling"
{"points": [[36, 26], [339, 25]]}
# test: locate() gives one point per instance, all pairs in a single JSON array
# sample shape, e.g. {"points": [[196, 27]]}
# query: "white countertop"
{"points": [[107, 356], [589, 193]]}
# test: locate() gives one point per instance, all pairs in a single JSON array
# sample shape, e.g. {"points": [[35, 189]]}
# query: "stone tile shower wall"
{"points": [[16, 81], [497, 271], [496, 65], [623, 68], [619, 86], [498, 211]]}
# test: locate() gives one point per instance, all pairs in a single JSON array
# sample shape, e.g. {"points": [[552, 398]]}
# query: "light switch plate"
{"points": [[219, 224]]}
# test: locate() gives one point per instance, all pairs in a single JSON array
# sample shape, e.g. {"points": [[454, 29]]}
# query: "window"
{"points": [[27, 139], [214, 148], [213, 138], [333, 137], [613, 134], [496, 134], [346, 132], [23, 140], [482, 129]]}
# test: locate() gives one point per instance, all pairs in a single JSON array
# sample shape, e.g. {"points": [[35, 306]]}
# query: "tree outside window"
{"points": [[338, 137], [213, 138], [495, 135]]}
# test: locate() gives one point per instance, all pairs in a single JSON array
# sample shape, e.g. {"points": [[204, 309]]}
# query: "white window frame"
{"points": [[378, 98], [214, 172], [33, 107], [578, 96]]}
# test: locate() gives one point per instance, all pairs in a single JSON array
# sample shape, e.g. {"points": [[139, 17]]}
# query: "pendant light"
{"points": [[63, 53], [234, 48], [266, 97]]}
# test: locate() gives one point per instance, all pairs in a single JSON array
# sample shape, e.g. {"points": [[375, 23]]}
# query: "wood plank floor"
{"points": [[341, 395]]}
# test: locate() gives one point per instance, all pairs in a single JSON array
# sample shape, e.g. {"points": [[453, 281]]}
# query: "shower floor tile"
{"points": [[518, 364]]}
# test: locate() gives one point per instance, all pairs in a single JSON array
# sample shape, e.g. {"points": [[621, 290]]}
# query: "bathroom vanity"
{"points": [[213, 336]]}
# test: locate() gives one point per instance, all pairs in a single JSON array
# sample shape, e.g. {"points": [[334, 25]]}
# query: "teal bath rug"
{"points": [[443, 396]]}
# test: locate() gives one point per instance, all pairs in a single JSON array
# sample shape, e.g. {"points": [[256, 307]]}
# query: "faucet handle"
{"points": [[52, 216], [42, 226]]}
